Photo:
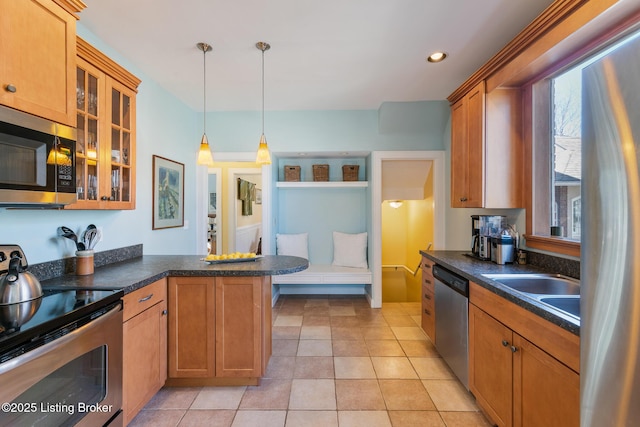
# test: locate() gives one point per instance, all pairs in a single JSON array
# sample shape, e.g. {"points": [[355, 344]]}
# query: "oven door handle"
{"points": [[60, 342]]}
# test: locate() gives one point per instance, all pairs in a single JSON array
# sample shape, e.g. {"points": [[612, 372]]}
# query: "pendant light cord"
{"points": [[262, 91], [204, 91]]}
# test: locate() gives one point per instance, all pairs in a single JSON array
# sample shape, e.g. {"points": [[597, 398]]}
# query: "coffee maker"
{"points": [[483, 227]]}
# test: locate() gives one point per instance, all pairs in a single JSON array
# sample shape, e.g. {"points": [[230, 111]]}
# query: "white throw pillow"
{"points": [[293, 244], [350, 250]]}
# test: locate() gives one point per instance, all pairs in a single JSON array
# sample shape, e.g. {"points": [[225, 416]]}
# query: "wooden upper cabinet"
{"points": [[487, 149], [106, 122], [467, 149], [38, 51]]}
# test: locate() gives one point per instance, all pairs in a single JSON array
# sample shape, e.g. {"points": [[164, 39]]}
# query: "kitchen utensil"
{"points": [[68, 233], [89, 237], [97, 238], [18, 285]]}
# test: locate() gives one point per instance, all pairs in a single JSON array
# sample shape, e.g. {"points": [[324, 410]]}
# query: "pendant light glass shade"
{"points": [[263, 157], [205, 158]]}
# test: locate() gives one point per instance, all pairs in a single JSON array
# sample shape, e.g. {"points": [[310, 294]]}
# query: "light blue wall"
{"points": [[168, 128], [321, 211], [353, 130]]}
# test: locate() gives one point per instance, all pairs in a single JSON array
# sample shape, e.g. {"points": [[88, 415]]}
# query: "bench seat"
{"points": [[329, 274], [320, 279]]}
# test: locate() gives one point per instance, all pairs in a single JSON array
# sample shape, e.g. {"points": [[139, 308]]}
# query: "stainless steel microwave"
{"points": [[37, 161]]}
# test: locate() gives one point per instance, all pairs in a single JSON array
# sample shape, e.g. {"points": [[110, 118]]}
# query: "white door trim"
{"points": [[377, 158]]}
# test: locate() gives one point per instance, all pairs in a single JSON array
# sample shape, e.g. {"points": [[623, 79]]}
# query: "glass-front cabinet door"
{"points": [[105, 148], [122, 108], [89, 104]]}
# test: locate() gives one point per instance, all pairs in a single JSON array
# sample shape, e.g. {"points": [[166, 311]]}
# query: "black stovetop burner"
{"points": [[56, 308]]}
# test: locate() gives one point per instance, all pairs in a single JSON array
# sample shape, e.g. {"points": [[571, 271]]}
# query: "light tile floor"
{"points": [[335, 362]]}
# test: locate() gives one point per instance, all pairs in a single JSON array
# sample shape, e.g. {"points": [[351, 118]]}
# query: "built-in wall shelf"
{"points": [[322, 184]]}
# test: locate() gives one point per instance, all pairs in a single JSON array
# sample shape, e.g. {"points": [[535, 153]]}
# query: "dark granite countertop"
{"points": [[138, 272], [473, 269]]}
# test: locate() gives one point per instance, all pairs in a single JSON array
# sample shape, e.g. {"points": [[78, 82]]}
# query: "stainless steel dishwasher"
{"points": [[452, 321]]}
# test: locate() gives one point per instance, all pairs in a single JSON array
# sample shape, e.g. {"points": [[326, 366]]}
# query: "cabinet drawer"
{"points": [[138, 301], [428, 322], [427, 264], [428, 298], [428, 281]]}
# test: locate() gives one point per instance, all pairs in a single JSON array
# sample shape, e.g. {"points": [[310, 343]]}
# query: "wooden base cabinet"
{"points": [[491, 366], [428, 320], [219, 329], [515, 382], [145, 346]]}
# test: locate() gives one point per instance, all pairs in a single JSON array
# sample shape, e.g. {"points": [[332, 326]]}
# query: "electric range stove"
{"points": [[53, 315]]}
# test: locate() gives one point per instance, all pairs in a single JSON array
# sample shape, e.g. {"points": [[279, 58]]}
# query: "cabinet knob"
{"points": [[514, 348], [10, 88], [505, 343], [463, 199], [104, 198], [164, 312]]}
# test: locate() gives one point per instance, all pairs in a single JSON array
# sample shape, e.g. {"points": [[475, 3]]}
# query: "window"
{"points": [[557, 157], [566, 151]]}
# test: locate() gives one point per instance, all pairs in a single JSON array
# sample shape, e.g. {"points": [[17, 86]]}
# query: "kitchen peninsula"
{"points": [[189, 323], [140, 271]]}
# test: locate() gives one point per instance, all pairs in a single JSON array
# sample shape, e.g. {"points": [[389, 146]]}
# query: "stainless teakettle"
{"points": [[18, 285]]}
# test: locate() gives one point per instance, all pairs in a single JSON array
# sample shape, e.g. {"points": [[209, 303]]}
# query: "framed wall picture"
{"points": [[168, 193]]}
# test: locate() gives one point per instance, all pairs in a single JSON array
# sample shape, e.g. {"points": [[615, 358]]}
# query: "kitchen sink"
{"points": [[570, 305], [539, 284], [556, 291]]}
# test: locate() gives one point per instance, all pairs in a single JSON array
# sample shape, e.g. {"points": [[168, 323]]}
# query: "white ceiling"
{"points": [[325, 55]]}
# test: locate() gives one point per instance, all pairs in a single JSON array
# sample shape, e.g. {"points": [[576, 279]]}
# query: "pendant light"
{"points": [[204, 154], [263, 157]]}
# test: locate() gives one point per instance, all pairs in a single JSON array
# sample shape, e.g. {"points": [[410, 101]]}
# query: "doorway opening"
{"points": [[416, 179], [228, 167], [407, 226]]}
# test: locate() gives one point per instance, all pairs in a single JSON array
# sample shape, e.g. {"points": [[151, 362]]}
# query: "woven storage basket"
{"points": [[292, 173], [350, 172], [321, 172]]}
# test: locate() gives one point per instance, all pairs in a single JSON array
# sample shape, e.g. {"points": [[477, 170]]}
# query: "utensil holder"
{"points": [[84, 262]]}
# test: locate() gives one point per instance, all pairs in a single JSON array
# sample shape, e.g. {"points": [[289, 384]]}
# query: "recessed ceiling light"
{"points": [[436, 57]]}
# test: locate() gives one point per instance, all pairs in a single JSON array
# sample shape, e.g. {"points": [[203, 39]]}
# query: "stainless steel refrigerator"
{"points": [[610, 261]]}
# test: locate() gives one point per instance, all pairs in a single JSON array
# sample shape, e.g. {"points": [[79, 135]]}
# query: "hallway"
{"points": [[335, 362]]}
